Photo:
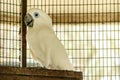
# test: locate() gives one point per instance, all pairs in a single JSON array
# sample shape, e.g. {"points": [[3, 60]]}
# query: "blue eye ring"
{"points": [[36, 14]]}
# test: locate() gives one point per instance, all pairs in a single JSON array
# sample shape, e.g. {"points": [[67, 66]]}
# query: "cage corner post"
{"points": [[23, 30]]}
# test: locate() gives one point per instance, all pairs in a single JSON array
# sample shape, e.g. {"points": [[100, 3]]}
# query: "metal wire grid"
{"points": [[9, 28], [93, 48], [94, 54]]}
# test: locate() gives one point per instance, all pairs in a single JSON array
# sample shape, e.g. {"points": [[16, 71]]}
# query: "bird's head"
{"points": [[36, 17]]}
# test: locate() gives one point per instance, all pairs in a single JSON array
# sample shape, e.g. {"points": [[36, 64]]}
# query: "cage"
{"points": [[89, 30]]}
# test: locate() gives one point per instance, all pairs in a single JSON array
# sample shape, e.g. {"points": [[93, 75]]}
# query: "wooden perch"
{"points": [[14, 73]]}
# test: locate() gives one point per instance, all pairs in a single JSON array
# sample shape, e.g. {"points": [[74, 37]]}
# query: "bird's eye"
{"points": [[36, 14]]}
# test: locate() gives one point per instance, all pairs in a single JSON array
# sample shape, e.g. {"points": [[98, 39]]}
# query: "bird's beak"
{"points": [[28, 20]]}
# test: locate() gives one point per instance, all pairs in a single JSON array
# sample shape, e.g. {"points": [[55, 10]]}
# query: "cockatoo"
{"points": [[44, 45]]}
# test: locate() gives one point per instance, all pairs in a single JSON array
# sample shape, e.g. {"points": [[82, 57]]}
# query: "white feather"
{"points": [[44, 45]]}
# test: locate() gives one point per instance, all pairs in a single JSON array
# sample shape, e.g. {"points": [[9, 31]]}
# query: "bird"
{"points": [[44, 45]]}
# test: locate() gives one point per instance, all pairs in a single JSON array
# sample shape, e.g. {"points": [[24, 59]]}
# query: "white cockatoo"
{"points": [[44, 45]]}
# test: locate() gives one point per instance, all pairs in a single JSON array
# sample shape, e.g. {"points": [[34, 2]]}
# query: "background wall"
{"points": [[89, 30]]}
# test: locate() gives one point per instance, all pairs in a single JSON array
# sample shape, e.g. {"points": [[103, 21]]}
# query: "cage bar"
{"points": [[23, 31]]}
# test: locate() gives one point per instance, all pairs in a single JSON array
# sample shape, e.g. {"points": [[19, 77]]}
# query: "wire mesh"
{"points": [[93, 47], [89, 30], [9, 28]]}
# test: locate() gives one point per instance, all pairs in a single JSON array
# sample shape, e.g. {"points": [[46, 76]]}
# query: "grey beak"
{"points": [[28, 20]]}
